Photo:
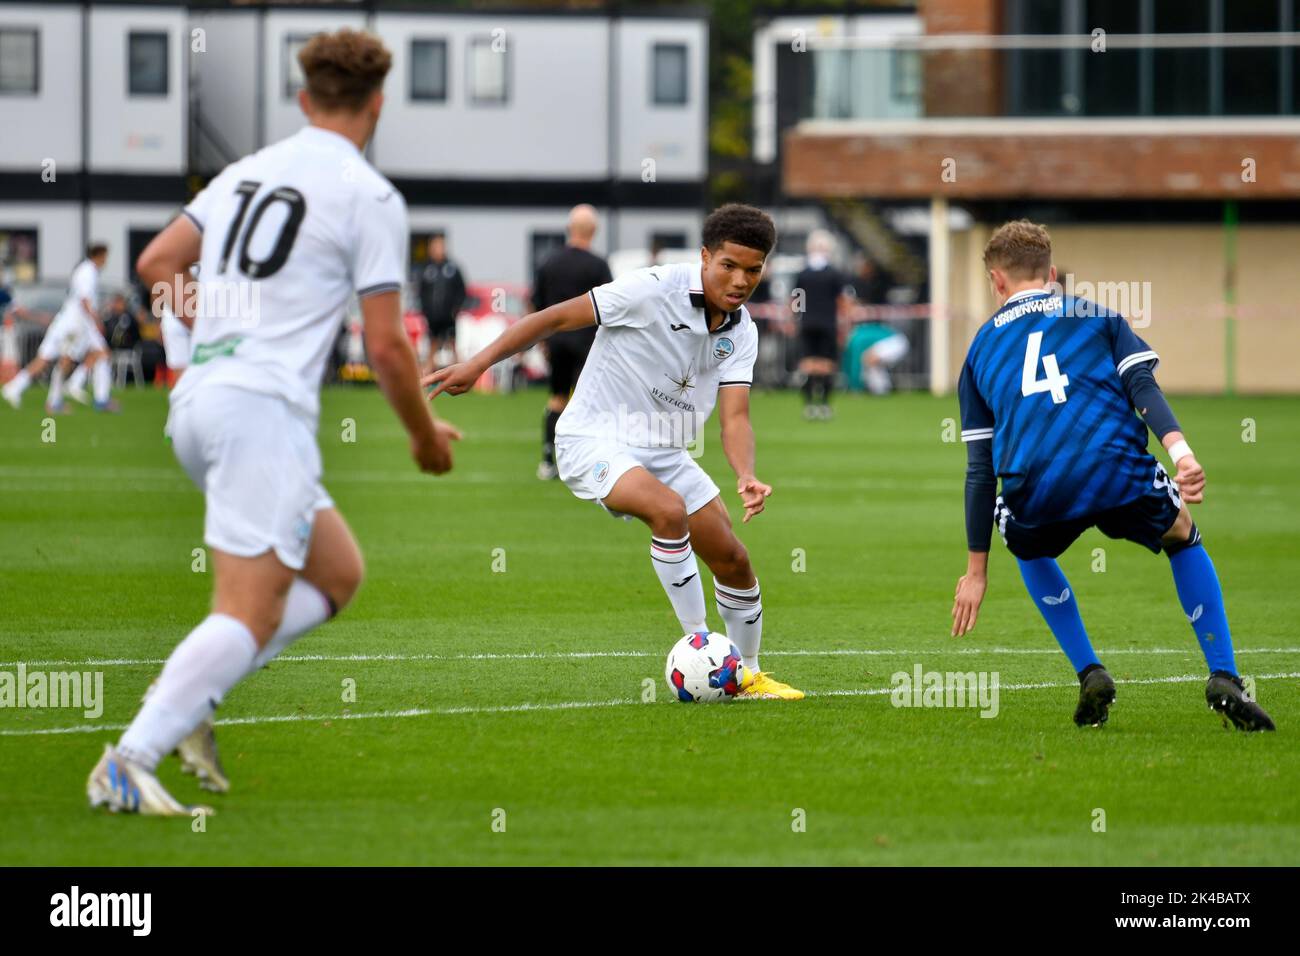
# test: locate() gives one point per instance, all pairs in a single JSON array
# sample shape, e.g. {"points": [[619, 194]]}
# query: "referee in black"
{"points": [[820, 294], [568, 272]]}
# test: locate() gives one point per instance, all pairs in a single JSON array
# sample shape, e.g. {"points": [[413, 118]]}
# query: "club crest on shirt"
{"points": [[600, 471], [722, 348]]}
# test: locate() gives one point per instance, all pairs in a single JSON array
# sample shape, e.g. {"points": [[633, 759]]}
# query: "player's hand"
{"points": [[433, 453], [966, 602], [453, 379], [753, 494], [1190, 480]]}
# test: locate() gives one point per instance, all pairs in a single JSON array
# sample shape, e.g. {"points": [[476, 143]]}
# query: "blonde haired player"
{"points": [[309, 223]]}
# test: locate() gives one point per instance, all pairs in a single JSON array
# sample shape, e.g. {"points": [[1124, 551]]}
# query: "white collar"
{"points": [[1024, 294]]}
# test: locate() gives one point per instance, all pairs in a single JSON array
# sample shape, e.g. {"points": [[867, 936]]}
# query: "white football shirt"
{"points": [[652, 377], [289, 234], [84, 284]]}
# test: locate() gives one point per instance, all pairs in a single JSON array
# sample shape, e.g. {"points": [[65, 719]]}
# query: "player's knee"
{"points": [[669, 516], [733, 563]]}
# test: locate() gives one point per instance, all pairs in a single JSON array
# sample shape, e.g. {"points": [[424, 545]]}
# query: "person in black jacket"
{"points": [[442, 294], [570, 271], [820, 294]]}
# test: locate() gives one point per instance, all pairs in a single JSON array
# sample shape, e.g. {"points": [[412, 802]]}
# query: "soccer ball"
{"points": [[703, 667]]}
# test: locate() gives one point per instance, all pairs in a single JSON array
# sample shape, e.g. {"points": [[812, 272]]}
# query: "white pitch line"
{"points": [[585, 655], [566, 705]]}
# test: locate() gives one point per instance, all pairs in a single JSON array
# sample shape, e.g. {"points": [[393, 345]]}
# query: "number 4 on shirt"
{"points": [[1030, 383]]}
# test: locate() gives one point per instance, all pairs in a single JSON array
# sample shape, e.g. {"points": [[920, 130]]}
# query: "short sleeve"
{"points": [[628, 299], [1128, 348], [198, 209], [738, 367], [976, 417], [381, 247]]}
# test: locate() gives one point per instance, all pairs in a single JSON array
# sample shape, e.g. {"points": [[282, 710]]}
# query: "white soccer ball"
{"points": [[703, 667]]}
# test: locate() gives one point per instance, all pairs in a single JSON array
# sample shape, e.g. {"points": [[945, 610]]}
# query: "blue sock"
{"points": [[1202, 600], [1052, 596]]}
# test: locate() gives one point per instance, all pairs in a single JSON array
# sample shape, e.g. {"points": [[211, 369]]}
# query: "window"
{"points": [[1183, 78], [540, 246], [19, 59], [293, 78], [19, 259], [146, 63], [489, 80], [660, 240], [668, 82], [429, 70]]}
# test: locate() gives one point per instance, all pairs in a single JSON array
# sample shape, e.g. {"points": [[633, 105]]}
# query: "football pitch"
{"points": [[495, 694]]}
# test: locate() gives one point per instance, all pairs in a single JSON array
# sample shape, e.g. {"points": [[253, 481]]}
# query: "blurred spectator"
{"points": [[820, 295], [872, 350], [442, 293], [871, 284], [571, 271], [121, 325]]}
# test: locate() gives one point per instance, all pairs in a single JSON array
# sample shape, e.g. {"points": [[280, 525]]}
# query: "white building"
{"points": [[494, 124]]}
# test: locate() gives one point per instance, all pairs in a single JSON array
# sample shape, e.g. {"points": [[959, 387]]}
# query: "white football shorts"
{"points": [[590, 467], [70, 336], [255, 460]]}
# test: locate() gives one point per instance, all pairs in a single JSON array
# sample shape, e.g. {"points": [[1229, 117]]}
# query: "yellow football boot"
{"points": [[760, 685]]}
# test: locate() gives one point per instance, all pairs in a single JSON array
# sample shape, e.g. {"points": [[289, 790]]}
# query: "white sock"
{"points": [[743, 612], [18, 384], [194, 681], [304, 608], [102, 382], [56, 386], [77, 379], [674, 562], [878, 382]]}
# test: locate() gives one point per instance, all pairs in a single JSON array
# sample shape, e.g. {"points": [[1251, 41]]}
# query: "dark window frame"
{"points": [[35, 89], [670, 45], [132, 90], [446, 69]]}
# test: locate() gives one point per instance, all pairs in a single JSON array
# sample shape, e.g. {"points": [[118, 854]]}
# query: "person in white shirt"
{"points": [[672, 342], [75, 335], [284, 238]]}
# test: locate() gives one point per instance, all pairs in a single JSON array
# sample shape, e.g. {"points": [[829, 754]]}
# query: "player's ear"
{"points": [[1051, 275], [304, 102]]}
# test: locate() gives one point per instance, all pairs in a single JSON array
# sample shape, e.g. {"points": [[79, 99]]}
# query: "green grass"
{"points": [[96, 538]]}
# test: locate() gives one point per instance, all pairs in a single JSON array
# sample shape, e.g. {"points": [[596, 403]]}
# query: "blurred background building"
{"points": [[1159, 139]]}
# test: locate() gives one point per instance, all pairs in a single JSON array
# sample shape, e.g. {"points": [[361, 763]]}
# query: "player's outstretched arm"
{"points": [[389, 353], [575, 313], [1145, 395], [164, 265], [738, 446], [981, 493]]}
